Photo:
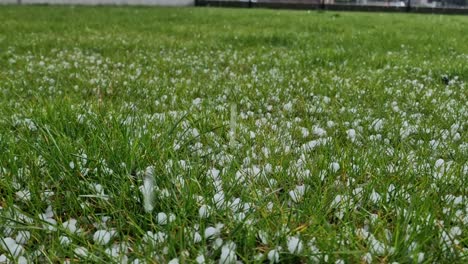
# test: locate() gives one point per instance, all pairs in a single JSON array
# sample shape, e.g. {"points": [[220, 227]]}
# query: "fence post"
{"points": [[408, 7], [18, 2]]}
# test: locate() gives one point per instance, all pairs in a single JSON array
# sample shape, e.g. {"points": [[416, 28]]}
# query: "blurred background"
{"points": [[378, 5]]}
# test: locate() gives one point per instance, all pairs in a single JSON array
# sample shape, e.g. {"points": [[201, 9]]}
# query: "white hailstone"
{"points": [[22, 237], [337, 201], [199, 198], [3, 258], [8, 231], [204, 211], [81, 252], [434, 144], [297, 194], [454, 128], [439, 167], [112, 252], [235, 205], [358, 191], [294, 245], [172, 217], [377, 125], [103, 222], [195, 134], [228, 253], [373, 217], [288, 107], [340, 261], [23, 195], [99, 191], [157, 238], [9, 244], [263, 236], [458, 200], [97, 188], [164, 193], [330, 124], [268, 168], [161, 218], [412, 246], [395, 107], [420, 257], [211, 232], [254, 171], [147, 190], [439, 164], [30, 124], [270, 206], [176, 146], [273, 256], [197, 101], [64, 240], [367, 258], [217, 243], [80, 118], [49, 213], [70, 225], [334, 166], [233, 125], [165, 250], [197, 237], [46, 195], [310, 145], [103, 237], [445, 238], [22, 260], [351, 134], [218, 185], [239, 217], [266, 153], [456, 137], [174, 261], [200, 259], [214, 173], [246, 207], [455, 231], [362, 233], [258, 258], [49, 223], [376, 246], [218, 200], [320, 132], [375, 197]]}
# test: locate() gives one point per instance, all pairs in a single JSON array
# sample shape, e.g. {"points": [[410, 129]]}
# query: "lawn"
{"points": [[193, 135]]}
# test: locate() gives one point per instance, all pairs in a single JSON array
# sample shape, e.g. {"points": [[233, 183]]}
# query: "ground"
{"points": [[156, 135]]}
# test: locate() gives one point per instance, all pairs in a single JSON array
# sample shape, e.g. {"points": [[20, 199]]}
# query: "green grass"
{"points": [[344, 131]]}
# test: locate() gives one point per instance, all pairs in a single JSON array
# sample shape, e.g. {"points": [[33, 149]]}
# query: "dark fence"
{"points": [[417, 6]]}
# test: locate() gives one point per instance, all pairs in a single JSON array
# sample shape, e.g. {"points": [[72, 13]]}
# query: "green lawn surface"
{"points": [[211, 135]]}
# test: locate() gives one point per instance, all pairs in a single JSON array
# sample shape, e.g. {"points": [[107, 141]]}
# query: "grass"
{"points": [[153, 135]]}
